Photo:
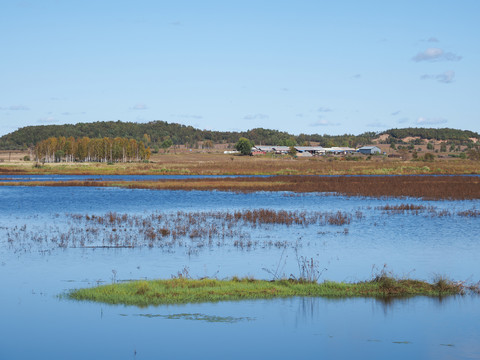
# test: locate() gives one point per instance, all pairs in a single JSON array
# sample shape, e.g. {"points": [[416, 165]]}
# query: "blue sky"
{"points": [[327, 67]]}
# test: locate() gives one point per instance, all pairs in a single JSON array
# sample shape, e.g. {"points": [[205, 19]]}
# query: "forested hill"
{"points": [[155, 132], [434, 134], [158, 131]]}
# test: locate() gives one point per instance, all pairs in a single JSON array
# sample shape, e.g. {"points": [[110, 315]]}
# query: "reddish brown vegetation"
{"points": [[428, 187]]}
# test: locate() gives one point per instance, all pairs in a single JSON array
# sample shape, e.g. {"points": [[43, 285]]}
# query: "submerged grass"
{"points": [[183, 290]]}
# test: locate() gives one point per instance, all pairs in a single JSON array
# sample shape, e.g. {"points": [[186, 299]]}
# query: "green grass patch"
{"points": [[183, 290]]}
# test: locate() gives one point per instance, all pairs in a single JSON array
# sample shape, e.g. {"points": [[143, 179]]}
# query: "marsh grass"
{"points": [[196, 230], [182, 290], [427, 187]]}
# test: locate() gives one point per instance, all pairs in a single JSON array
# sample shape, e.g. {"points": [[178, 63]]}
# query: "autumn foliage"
{"points": [[85, 149]]}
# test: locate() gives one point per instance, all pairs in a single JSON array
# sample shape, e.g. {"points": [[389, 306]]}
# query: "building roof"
{"points": [[264, 147], [340, 149], [309, 148], [369, 148]]}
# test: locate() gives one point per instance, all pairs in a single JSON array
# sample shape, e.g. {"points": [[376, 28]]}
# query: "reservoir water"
{"points": [[50, 244]]}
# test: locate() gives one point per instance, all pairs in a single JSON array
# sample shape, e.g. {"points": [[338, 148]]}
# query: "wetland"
{"points": [[56, 239]]}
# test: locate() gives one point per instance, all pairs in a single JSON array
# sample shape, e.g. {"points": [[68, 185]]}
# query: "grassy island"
{"points": [[183, 290]]}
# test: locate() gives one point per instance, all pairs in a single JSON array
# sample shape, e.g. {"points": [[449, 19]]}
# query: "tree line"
{"points": [[159, 134], [458, 136], [58, 149]]}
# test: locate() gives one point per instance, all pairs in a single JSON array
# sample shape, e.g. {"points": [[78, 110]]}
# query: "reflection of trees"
{"points": [[309, 308]]}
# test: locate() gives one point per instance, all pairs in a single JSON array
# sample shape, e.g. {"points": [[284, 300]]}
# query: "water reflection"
{"points": [[311, 308]]}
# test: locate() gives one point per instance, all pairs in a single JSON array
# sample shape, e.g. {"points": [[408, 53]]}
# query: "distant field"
{"points": [[217, 163]]}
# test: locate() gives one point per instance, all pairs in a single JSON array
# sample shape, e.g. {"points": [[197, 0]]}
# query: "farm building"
{"points": [[262, 149], [369, 150], [313, 150], [339, 150], [281, 149]]}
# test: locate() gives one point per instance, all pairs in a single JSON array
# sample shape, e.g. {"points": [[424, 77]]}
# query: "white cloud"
{"points": [[430, 121], [140, 106], [436, 54], [47, 120], [256, 117], [324, 109], [446, 77], [323, 122], [377, 124]]}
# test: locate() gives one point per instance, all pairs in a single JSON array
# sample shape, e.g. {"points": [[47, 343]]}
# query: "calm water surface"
{"points": [[36, 323]]}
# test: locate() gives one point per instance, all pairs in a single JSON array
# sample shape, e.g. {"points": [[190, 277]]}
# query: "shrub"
{"points": [[244, 146], [428, 157]]}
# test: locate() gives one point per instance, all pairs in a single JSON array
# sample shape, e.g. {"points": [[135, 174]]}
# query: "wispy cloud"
{"points": [[403, 120], [68, 113], [395, 113], [256, 116], [357, 76], [175, 23], [47, 120], [188, 116], [432, 39], [140, 106], [430, 121], [323, 122], [436, 54], [15, 107], [377, 124], [446, 77], [324, 109]]}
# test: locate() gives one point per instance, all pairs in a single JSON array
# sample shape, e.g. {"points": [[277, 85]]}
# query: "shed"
{"points": [[281, 149], [264, 148], [339, 150], [369, 150], [310, 149]]}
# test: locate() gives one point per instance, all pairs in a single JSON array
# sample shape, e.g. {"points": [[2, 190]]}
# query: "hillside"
{"points": [[445, 134], [158, 131]]}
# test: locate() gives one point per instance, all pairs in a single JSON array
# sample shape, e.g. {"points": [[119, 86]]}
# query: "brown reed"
{"points": [[427, 187]]}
